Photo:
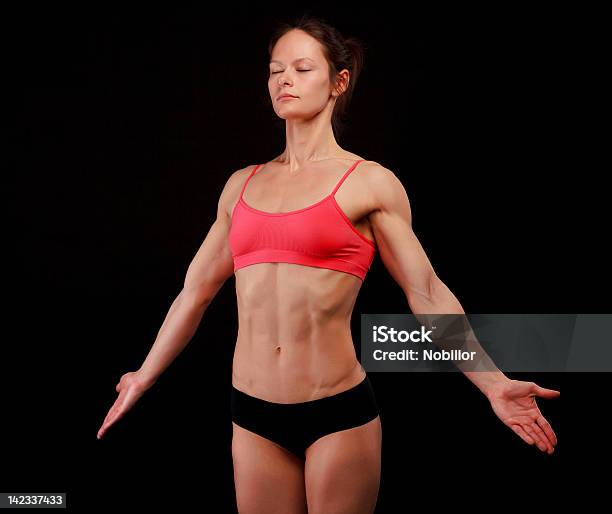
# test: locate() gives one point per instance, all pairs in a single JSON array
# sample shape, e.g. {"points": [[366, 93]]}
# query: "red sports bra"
{"points": [[320, 235]]}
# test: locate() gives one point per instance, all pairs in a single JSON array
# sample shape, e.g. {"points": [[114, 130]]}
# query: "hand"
{"points": [[131, 387], [513, 402]]}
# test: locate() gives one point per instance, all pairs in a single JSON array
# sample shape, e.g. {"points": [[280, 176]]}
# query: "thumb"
{"points": [[545, 393]]}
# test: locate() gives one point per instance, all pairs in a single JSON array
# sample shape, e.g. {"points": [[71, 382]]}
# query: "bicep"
{"points": [[398, 245], [212, 264]]}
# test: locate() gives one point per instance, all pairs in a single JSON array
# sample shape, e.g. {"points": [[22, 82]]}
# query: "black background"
{"points": [[130, 122]]}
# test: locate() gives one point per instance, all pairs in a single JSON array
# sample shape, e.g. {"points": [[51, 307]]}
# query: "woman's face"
{"points": [[298, 68]]}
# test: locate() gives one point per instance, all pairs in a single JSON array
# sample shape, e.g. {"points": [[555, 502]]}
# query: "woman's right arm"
{"points": [[207, 272]]}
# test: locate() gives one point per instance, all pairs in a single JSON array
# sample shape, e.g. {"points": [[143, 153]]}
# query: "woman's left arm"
{"points": [[513, 401]]}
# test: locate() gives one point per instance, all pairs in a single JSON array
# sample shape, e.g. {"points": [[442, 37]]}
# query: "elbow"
{"points": [[436, 289], [427, 292], [197, 296], [433, 296]]}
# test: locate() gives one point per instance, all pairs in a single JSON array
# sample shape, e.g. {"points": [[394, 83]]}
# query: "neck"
{"points": [[309, 140]]}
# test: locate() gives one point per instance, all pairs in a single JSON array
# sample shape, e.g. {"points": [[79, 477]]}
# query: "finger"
{"points": [[115, 413], [111, 410], [104, 426], [538, 430], [111, 416], [545, 426], [522, 434], [118, 411], [114, 417], [108, 419], [538, 439], [545, 393], [542, 436]]}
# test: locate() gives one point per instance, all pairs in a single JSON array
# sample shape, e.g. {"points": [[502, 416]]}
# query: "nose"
{"points": [[283, 79]]}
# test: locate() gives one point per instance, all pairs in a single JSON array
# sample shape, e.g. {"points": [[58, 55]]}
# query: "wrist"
{"points": [[492, 382], [146, 378], [488, 382]]}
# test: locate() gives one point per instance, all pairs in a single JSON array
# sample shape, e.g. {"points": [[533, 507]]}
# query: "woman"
{"points": [[299, 233]]}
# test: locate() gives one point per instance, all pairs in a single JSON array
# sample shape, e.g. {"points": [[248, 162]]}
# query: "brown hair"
{"points": [[339, 51]]}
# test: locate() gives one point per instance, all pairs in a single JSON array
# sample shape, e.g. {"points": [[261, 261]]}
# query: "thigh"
{"points": [[268, 478], [342, 470]]}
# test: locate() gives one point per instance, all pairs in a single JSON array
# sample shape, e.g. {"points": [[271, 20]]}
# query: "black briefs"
{"points": [[295, 426]]}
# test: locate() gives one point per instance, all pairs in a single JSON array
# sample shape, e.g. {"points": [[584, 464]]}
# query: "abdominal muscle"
{"points": [[294, 339]]}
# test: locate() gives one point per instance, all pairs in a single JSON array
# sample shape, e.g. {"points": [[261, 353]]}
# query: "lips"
{"points": [[286, 96]]}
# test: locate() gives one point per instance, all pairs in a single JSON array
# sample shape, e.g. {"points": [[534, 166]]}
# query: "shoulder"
{"points": [[377, 175], [232, 187], [237, 178], [379, 179], [385, 189]]}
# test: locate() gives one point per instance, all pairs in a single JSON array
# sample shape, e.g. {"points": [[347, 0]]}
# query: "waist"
{"points": [[294, 384]]}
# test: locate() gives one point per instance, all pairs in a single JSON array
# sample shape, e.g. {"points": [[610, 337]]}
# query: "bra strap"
{"points": [[249, 178], [345, 175]]}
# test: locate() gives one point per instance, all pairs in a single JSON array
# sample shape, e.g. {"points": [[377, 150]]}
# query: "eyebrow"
{"points": [[296, 60]]}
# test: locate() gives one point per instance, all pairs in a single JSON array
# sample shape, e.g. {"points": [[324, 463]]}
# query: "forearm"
{"points": [[432, 306], [179, 326]]}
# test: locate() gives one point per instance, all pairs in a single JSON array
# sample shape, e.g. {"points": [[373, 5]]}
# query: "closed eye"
{"points": [[273, 72]]}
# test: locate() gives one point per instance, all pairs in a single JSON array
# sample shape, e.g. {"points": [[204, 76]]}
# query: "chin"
{"points": [[291, 115]]}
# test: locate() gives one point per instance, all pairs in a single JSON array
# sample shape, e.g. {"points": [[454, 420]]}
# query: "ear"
{"points": [[342, 82]]}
